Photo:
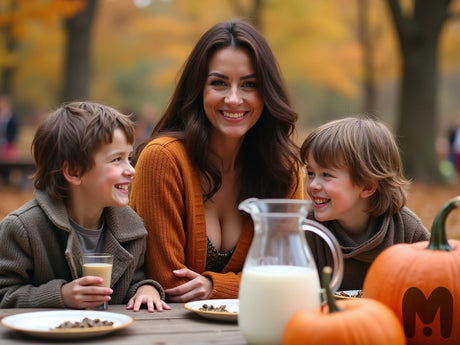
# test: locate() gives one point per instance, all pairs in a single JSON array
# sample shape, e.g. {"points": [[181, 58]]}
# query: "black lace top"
{"points": [[216, 260]]}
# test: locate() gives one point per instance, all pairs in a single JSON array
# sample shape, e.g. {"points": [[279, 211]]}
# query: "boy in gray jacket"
{"points": [[82, 154]]}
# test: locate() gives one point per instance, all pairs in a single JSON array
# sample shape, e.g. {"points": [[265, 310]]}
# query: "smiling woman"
{"points": [[231, 100], [225, 136]]}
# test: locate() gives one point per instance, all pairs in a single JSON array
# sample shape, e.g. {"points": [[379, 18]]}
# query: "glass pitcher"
{"points": [[279, 275]]}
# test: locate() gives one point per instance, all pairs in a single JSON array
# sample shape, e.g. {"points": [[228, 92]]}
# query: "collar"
{"points": [[122, 222]]}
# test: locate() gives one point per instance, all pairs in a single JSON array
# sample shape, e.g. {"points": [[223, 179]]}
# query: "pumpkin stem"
{"points": [[438, 240], [326, 279]]}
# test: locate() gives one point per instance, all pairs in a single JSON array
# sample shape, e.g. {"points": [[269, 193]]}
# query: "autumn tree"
{"points": [[252, 12], [77, 53], [10, 46], [418, 31], [367, 42], [13, 17]]}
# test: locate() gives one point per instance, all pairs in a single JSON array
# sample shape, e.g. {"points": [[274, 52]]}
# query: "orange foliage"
{"points": [[41, 10], [45, 11], [142, 50]]}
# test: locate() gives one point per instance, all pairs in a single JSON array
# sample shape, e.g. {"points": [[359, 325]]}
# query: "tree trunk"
{"points": [[365, 39], [77, 57], [417, 128], [7, 74]]}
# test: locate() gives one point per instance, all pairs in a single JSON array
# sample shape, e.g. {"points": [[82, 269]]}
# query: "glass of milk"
{"points": [[100, 265]]}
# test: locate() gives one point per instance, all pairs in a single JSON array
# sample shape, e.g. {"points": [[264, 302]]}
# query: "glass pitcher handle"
{"points": [[329, 238]]}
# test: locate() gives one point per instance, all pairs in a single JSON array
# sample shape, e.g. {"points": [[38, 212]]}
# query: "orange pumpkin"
{"points": [[420, 282], [349, 322]]}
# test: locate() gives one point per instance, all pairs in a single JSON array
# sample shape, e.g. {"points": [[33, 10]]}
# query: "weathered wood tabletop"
{"points": [[176, 326]]}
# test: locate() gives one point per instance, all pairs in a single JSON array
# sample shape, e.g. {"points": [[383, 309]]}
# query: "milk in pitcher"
{"points": [[266, 299]]}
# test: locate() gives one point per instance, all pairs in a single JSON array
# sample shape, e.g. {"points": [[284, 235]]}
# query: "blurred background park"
{"points": [[397, 60]]}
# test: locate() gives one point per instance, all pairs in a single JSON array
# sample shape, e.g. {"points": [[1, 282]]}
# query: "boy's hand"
{"points": [[83, 293], [147, 294]]}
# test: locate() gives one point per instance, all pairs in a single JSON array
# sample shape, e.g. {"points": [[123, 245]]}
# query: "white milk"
{"points": [[270, 295]]}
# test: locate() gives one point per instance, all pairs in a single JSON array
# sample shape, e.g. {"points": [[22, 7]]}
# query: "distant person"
{"points": [[355, 181], [225, 137], [8, 129], [454, 143], [82, 153], [145, 123]]}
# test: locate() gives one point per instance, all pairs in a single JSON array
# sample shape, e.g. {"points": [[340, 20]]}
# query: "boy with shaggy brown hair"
{"points": [[83, 172], [356, 183]]}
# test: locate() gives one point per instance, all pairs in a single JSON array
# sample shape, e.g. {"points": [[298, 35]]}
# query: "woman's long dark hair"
{"points": [[268, 158]]}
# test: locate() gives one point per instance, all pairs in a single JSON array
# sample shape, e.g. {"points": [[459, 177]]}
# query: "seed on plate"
{"points": [[85, 323], [210, 307]]}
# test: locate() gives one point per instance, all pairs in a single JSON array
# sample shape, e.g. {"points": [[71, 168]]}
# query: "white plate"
{"points": [[41, 323], [348, 294], [232, 306]]}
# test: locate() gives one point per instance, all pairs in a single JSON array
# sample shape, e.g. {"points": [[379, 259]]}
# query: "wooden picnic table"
{"points": [[177, 326], [25, 165], [16, 172]]}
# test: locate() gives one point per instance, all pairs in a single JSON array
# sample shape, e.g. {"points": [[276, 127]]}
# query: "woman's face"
{"points": [[231, 98]]}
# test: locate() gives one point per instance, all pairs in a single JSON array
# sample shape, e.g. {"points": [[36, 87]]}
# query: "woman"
{"points": [[224, 137]]}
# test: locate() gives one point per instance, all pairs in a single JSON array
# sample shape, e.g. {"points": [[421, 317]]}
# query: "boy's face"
{"points": [[106, 183], [334, 195]]}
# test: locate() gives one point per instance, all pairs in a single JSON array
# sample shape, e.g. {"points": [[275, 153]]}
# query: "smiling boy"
{"points": [[358, 191], [83, 172]]}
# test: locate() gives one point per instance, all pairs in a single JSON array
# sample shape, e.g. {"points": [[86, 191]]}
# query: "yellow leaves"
{"points": [[313, 41], [7, 59], [165, 35], [450, 40], [46, 11], [329, 69], [164, 77], [161, 25], [68, 8]]}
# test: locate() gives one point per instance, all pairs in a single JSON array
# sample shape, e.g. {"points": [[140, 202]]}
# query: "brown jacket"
{"points": [[40, 252]]}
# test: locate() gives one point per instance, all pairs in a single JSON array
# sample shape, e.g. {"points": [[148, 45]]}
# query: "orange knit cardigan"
{"points": [[166, 193]]}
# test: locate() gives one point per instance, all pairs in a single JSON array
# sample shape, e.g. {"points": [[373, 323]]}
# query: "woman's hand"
{"points": [[147, 294], [197, 288], [84, 293]]}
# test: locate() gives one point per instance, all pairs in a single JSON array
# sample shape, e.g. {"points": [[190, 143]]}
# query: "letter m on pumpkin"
{"points": [[414, 303]]}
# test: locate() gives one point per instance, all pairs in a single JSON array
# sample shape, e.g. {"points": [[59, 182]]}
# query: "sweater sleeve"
{"points": [[156, 196], [224, 285], [139, 278], [17, 266]]}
